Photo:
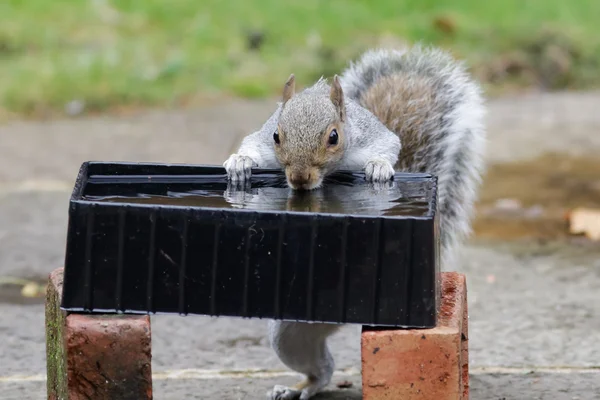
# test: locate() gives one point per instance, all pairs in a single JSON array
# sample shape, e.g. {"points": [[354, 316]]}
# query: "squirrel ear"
{"points": [[289, 89], [337, 98]]}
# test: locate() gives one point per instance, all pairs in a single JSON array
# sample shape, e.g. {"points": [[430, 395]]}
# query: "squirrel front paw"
{"points": [[239, 167], [379, 171]]}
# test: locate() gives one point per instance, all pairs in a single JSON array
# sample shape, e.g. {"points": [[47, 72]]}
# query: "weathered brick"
{"points": [[421, 364], [95, 356]]}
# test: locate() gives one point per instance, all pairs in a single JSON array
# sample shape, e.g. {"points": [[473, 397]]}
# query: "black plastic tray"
{"points": [[350, 252]]}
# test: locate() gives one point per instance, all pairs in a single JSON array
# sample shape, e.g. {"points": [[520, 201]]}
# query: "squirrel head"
{"points": [[309, 141]]}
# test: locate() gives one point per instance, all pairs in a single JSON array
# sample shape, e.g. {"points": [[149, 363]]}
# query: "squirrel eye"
{"points": [[276, 137], [333, 137]]}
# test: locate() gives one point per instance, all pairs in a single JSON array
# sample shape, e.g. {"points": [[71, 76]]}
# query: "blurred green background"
{"points": [[107, 54]]}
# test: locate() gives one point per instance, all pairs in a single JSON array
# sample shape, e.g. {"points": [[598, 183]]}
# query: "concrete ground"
{"points": [[534, 311]]}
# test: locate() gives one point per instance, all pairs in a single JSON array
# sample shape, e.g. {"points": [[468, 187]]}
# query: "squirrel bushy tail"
{"points": [[428, 99]]}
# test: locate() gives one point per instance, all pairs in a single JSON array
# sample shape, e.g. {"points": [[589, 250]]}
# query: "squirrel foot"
{"points": [[239, 167], [379, 170], [302, 391], [280, 392]]}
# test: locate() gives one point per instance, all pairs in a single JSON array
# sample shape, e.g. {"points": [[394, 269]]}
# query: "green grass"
{"points": [[150, 52]]}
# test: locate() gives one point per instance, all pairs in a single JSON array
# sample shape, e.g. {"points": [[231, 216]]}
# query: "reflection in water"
{"points": [[410, 197]]}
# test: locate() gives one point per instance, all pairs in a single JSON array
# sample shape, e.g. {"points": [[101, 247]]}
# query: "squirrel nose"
{"points": [[299, 178]]}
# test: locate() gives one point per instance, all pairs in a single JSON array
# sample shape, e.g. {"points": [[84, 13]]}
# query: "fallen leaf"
{"points": [[31, 289], [585, 221]]}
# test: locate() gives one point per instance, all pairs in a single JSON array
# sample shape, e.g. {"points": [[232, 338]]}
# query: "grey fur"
{"points": [[447, 134]]}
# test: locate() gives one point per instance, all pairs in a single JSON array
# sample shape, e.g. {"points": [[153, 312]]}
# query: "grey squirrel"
{"points": [[411, 110]]}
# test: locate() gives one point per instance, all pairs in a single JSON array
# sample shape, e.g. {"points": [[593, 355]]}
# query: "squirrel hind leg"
{"points": [[303, 348]]}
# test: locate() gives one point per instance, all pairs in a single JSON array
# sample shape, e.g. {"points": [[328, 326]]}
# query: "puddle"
{"points": [[531, 199]]}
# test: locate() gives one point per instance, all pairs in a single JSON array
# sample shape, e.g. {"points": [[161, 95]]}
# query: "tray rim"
{"points": [[83, 176]]}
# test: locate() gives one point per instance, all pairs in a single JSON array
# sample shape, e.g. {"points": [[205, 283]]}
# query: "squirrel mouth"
{"points": [[304, 181], [305, 186]]}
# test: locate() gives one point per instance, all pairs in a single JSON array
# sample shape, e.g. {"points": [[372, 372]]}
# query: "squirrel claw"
{"points": [[239, 167], [379, 171]]}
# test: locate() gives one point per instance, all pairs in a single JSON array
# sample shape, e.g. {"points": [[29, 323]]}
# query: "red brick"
{"points": [[421, 364], [95, 356]]}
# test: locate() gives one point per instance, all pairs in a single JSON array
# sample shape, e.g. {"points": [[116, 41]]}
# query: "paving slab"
{"points": [[492, 386], [33, 231], [54, 149]]}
